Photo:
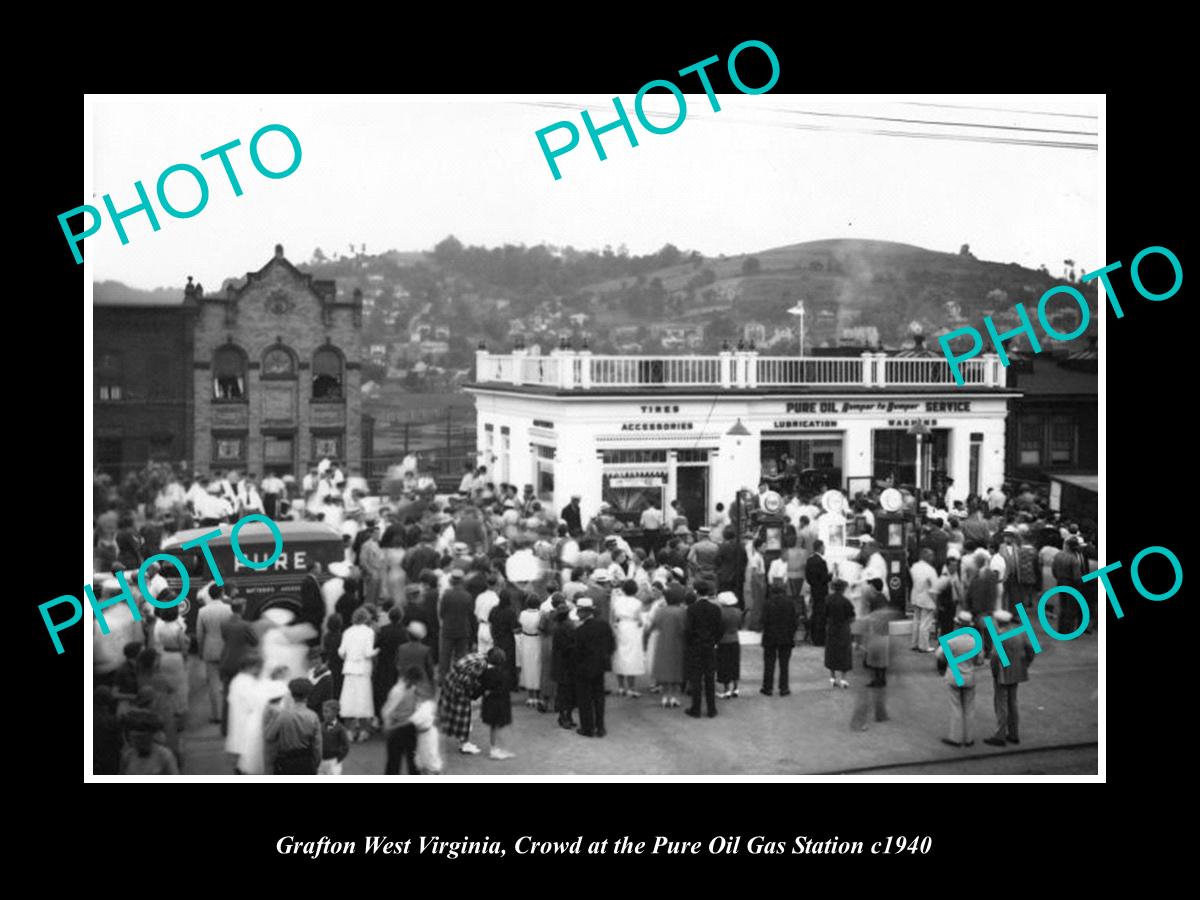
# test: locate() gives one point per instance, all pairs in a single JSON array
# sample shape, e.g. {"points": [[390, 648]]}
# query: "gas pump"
{"points": [[768, 523], [893, 530]]}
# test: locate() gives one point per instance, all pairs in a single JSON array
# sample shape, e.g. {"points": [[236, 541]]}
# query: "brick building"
{"points": [[141, 385], [277, 371]]}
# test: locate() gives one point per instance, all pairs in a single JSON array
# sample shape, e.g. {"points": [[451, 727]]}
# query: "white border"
{"points": [[88, 191]]}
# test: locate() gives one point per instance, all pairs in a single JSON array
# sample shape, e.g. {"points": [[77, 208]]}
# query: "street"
{"points": [[805, 733]]}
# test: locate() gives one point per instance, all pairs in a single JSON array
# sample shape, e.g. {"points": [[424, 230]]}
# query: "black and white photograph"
{"points": [[703, 432]]}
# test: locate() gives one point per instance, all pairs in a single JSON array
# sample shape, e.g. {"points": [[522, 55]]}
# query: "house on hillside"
{"points": [[865, 335], [754, 331]]}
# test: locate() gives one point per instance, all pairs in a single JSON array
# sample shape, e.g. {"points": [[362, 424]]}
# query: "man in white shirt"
{"points": [[273, 490], [876, 566], [198, 489], [211, 508], [246, 498], [924, 576], [996, 499]]}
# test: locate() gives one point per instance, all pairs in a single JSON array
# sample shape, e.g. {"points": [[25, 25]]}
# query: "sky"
{"points": [[765, 171]]}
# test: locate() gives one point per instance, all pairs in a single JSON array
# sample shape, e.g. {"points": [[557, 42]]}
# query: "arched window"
{"points": [[229, 373], [327, 374], [278, 362]]}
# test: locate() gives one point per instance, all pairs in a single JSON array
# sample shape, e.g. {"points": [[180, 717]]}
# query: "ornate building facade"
{"points": [[276, 373]]}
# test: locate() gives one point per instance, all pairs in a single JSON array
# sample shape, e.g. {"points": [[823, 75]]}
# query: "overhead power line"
{"points": [[931, 135], [1031, 112]]}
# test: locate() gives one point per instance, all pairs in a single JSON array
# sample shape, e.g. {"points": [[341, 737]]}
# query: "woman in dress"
{"points": [[629, 660], [504, 626], [653, 600], [666, 630], [358, 651], [729, 651], [839, 613], [330, 644], [756, 584], [170, 639], [530, 648], [461, 685], [496, 709]]}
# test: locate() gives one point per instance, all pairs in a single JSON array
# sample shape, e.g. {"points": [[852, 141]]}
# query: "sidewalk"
{"points": [[808, 732]]}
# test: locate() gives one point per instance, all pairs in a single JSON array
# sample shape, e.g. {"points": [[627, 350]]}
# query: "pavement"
{"points": [[807, 732]]}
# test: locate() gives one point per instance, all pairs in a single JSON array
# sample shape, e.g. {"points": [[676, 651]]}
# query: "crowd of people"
{"points": [[446, 606]]}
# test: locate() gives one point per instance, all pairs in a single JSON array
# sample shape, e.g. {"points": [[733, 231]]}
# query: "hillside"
{"points": [[437, 306]]}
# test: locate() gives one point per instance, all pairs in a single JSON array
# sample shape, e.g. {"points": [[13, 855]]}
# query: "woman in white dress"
{"points": [[629, 661], [249, 695], [529, 650], [484, 604], [358, 650]]}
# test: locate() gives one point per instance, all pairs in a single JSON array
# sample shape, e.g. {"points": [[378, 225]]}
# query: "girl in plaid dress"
{"points": [[461, 685]]}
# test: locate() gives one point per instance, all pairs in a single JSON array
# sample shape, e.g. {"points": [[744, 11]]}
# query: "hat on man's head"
{"points": [[727, 598], [456, 575], [704, 529], [461, 547], [601, 576], [1009, 529], [585, 603], [417, 630]]}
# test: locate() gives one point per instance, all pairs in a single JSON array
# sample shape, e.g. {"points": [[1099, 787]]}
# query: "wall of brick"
{"points": [[277, 304]]}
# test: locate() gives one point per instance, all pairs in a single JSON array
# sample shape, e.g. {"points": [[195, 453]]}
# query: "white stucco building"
{"points": [[626, 430]]}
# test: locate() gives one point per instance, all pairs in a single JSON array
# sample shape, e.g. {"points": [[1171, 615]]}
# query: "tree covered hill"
{"points": [[618, 300]]}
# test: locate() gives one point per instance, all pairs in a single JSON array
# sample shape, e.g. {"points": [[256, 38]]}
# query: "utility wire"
{"points": [[807, 112], [1032, 112], [931, 135]]}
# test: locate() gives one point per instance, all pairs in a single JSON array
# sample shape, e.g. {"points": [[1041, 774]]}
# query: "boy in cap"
{"points": [[335, 740]]}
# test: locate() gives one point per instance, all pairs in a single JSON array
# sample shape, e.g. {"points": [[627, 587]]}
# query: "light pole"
{"points": [[798, 310]]}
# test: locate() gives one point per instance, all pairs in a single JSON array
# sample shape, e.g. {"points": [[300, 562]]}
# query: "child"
{"points": [[335, 742], [496, 710]]}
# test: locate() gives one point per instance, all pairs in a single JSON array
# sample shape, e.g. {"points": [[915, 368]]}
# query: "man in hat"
{"points": [[373, 563], [599, 591], [1006, 679], [209, 621], [593, 648], [456, 610], [962, 698], [702, 558], [295, 732], [816, 573], [701, 633]]}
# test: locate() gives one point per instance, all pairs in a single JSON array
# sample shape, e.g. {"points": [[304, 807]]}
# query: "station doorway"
{"points": [[809, 464]]}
